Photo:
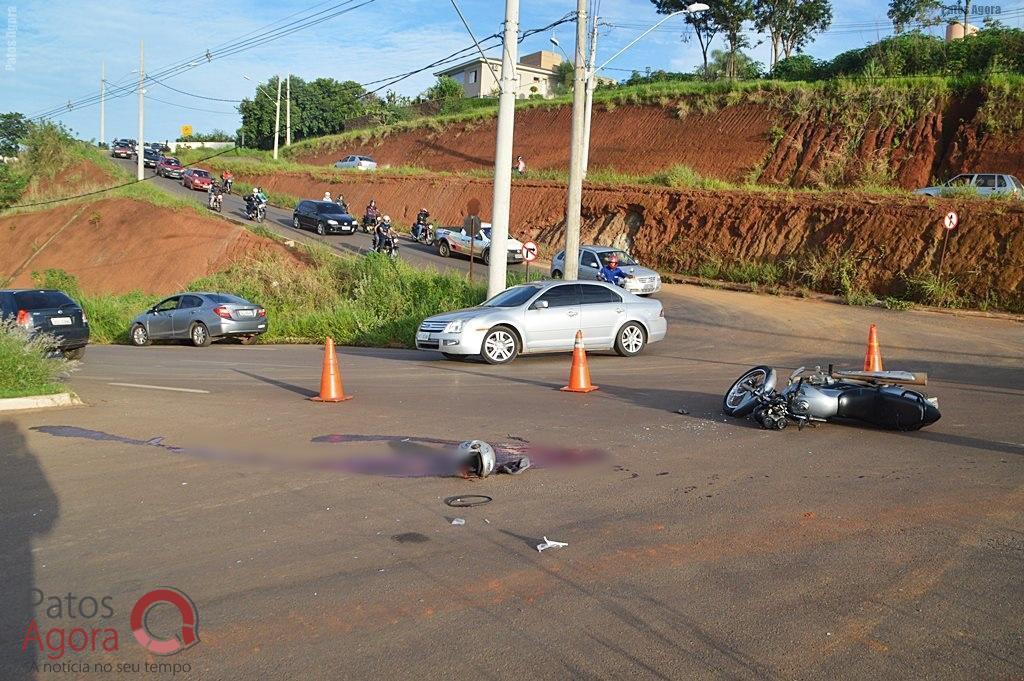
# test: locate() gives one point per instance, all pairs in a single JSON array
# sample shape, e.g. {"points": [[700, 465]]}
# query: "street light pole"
{"points": [[497, 276], [277, 117], [140, 169], [574, 203], [103, 102], [591, 86], [288, 112]]}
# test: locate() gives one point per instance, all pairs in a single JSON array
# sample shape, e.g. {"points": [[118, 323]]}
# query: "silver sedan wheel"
{"points": [[139, 335], [500, 346], [632, 339]]}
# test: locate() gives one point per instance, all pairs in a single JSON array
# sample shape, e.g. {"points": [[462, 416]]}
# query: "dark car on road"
{"points": [[122, 150], [194, 178], [48, 311], [150, 158], [168, 166], [323, 217], [199, 318]]}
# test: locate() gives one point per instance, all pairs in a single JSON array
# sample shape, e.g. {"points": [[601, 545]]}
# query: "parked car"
{"points": [[645, 281], [323, 217], [48, 311], [194, 178], [199, 318], [150, 158], [168, 166], [544, 317], [357, 163], [122, 149], [985, 184], [449, 241]]}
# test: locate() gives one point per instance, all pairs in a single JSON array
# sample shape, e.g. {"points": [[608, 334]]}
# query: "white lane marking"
{"points": [[160, 387]]}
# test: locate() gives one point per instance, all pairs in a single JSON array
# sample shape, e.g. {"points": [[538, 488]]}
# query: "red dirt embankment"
{"points": [[728, 144], [631, 139], [119, 245], [678, 230]]}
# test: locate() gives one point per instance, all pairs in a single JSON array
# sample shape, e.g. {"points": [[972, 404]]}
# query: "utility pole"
{"points": [[574, 205], [591, 86], [277, 117], [497, 278], [103, 102], [288, 112], [140, 169]]}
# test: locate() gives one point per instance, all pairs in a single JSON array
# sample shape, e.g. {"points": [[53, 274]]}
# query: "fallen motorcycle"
{"points": [[878, 398]]}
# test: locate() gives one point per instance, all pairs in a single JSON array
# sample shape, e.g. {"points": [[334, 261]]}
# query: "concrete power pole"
{"points": [[277, 117], [574, 205], [591, 85], [103, 102], [497, 276], [140, 170], [288, 112]]}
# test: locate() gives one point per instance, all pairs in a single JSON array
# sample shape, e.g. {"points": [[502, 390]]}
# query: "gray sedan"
{"points": [[544, 317], [642, 282], [200, 318]]}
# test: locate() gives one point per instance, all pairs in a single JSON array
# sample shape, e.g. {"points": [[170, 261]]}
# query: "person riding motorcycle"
{"points": [[612, 273], [342, 204], [214, 193], [421, 224], [253, 200], [227, 178], [382, 233]]}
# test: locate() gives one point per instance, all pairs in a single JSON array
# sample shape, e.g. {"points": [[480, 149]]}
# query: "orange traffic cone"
{"points": [[873, 357], [330, 378], [579, 374]]}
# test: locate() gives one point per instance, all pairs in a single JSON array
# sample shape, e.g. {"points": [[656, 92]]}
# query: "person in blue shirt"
{"points": [[612, 273]]}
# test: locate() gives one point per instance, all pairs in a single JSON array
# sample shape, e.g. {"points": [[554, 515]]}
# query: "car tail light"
{"points": [[261, 312], [24, 319], [85, 320], [222, 312]]}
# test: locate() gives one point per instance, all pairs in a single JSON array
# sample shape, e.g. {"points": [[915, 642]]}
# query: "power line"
{"points": [[191, 108]]}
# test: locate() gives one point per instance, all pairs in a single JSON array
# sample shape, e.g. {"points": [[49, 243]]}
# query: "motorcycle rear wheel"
{"points": [[741, 399]]}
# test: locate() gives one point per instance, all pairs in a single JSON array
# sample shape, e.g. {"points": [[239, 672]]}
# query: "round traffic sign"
{"points": [[529, 251], [951, 220]]}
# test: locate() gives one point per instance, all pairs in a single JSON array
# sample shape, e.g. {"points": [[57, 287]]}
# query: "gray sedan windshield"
{"points": [[512, 297]]}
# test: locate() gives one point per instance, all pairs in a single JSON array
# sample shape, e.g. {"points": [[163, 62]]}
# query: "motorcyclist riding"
{"points": [[252, 201], [342, 204], [612, 273], [421, 224], [215, 194], [382, 233], [227, 177], [371, 215]]}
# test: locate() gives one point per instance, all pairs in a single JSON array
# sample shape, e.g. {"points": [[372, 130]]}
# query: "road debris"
{"points": [[549, 544], [458, 521], [468, 500], [515, 467]]}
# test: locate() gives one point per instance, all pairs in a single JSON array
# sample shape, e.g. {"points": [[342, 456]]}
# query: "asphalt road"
{"points": [[698, 546], [279, 220]]}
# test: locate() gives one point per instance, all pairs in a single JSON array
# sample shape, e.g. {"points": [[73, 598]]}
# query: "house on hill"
{"points": [[538, 75]]}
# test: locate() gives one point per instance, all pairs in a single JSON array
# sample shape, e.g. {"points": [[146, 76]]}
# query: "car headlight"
{"points": [[454, 327], [332, 222]]}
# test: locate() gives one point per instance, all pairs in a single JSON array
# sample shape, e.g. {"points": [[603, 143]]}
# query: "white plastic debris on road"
{"points": [[548, 544], [458, 521]]}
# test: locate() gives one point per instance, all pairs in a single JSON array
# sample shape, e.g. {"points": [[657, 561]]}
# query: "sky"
{"points": [[55, 49]]}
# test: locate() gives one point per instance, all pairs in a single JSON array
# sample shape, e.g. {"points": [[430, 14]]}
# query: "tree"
{"points": [[806, 18], [962, 7], [920, 12], [730, 16], [319, 107], [703, 23], [726, 65], [13, 128], [446, 88]]}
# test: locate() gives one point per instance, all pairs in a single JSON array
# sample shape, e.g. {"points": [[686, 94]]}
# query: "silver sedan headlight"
{"points": [[454, 327]]}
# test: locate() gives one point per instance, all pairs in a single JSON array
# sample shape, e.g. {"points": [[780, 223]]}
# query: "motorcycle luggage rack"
{"points": [[882, 377]]}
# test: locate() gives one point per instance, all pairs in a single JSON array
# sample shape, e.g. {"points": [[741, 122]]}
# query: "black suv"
{"points": [[48, 311], [323, 217]]}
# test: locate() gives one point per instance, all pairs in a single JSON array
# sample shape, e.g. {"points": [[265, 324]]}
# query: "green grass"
{"points": [[28, 366]]}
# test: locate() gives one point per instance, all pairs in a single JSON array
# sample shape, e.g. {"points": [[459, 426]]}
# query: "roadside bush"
{"points": [[28, 366], [12, 185], [798, 67]]}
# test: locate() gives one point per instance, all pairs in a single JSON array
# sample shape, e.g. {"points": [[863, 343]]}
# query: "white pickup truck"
{"points": [[450, 241]]}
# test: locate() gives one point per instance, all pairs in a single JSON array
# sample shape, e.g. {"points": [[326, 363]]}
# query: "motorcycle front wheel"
{"points": [[742, 396]]}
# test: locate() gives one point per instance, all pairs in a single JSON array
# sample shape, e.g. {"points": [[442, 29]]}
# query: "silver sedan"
{"points": [[199, 317], [544, 317]]}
